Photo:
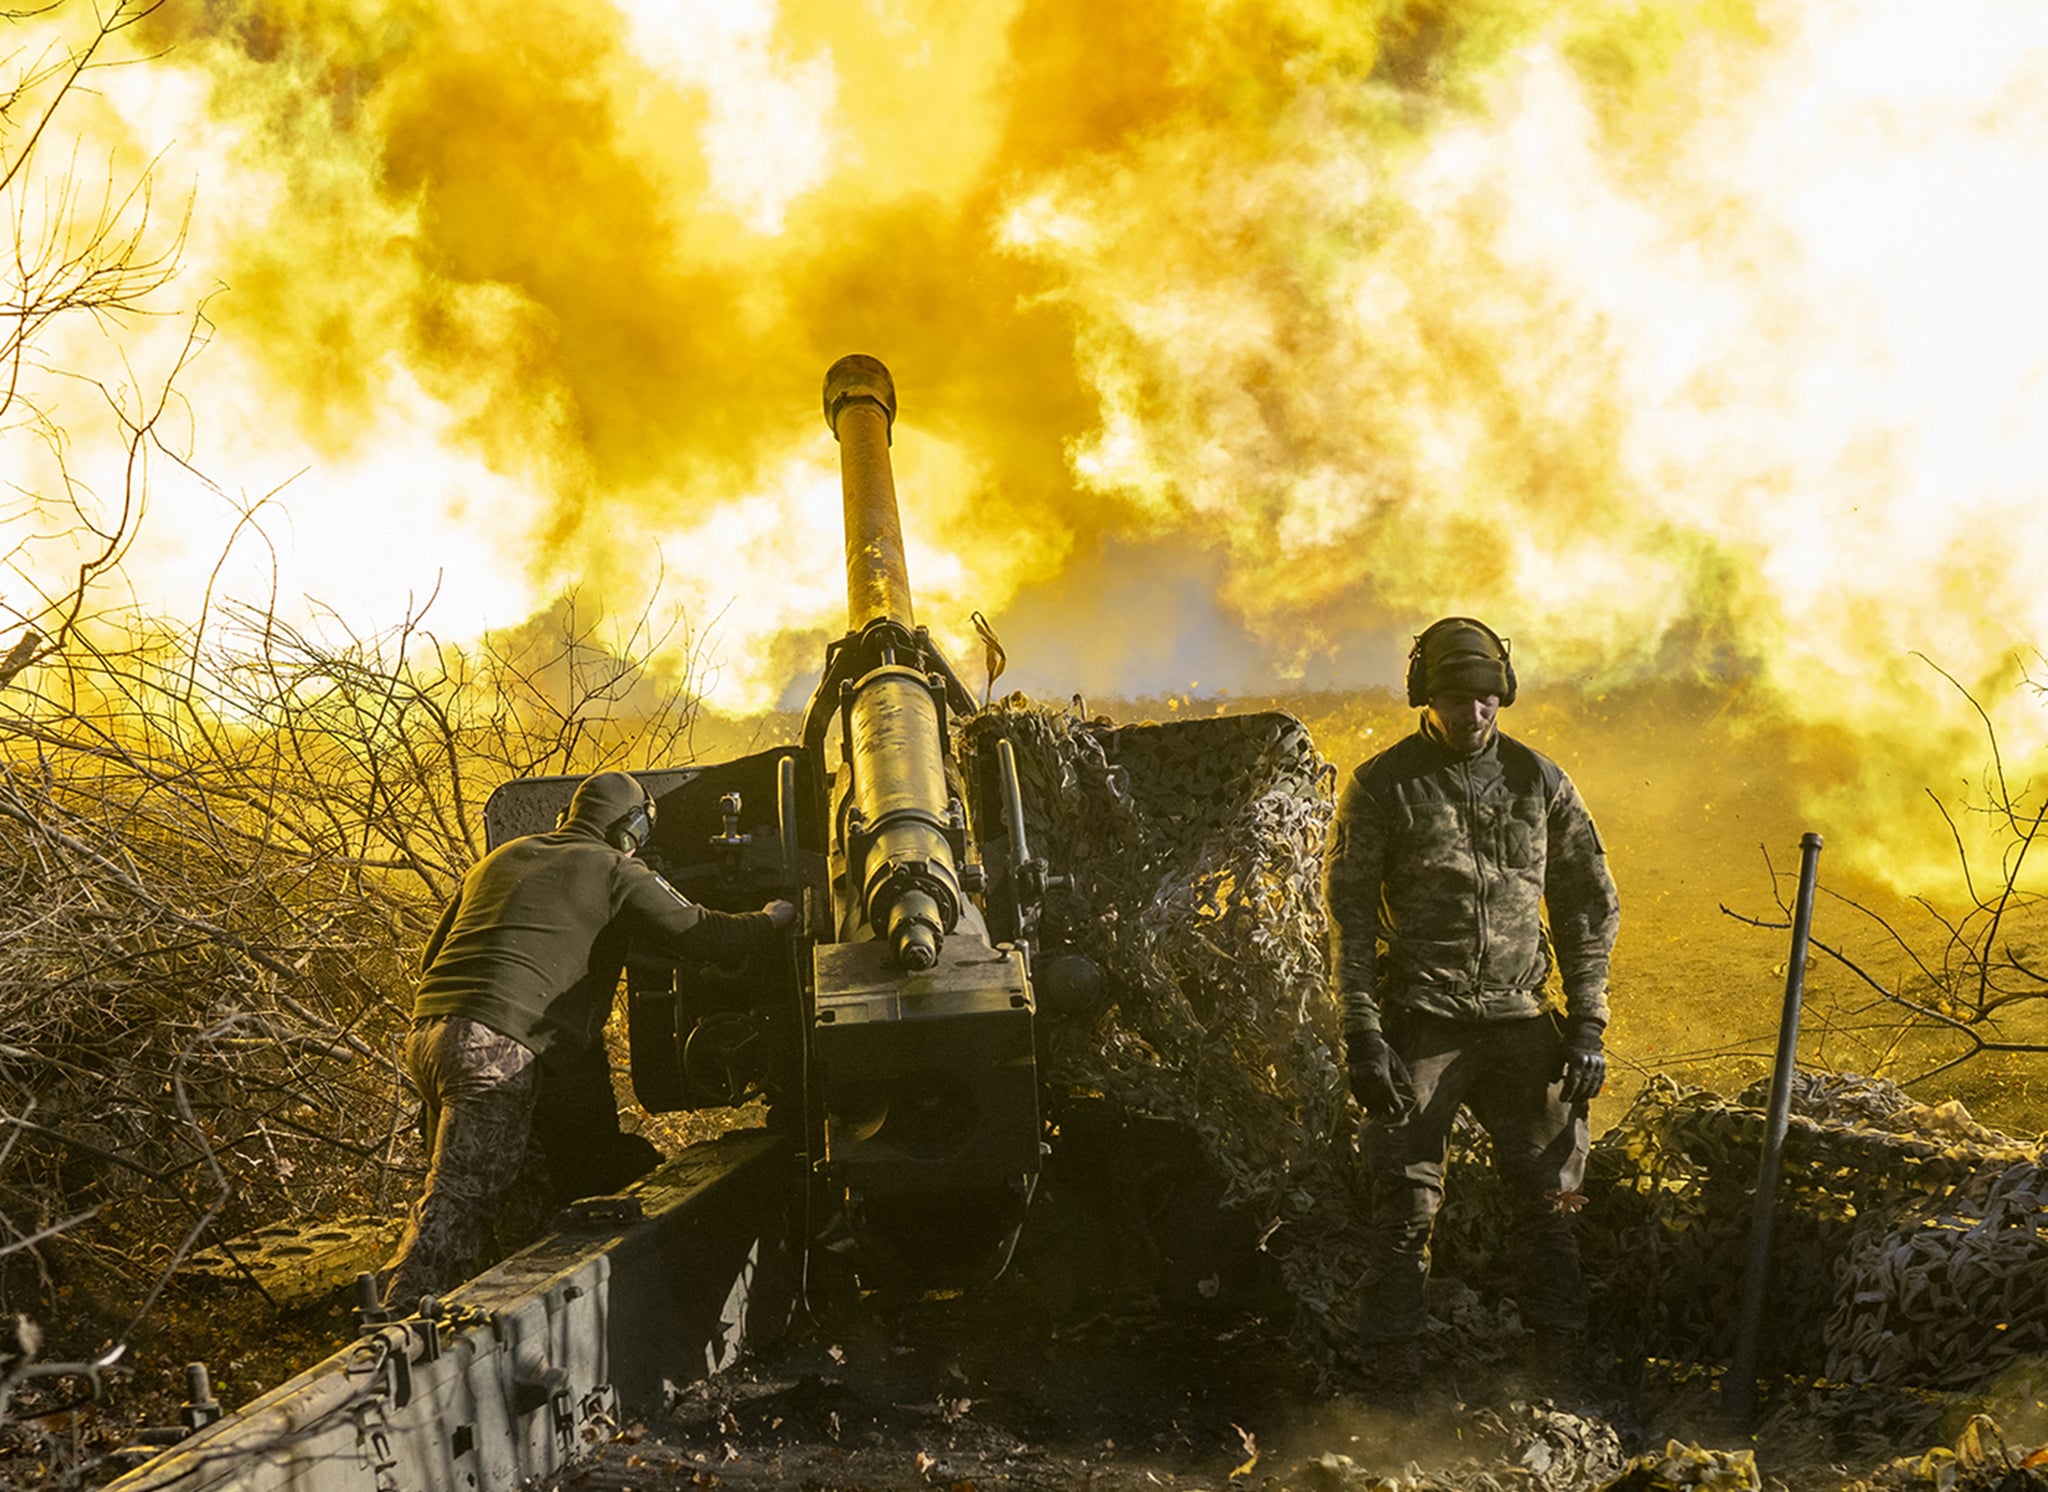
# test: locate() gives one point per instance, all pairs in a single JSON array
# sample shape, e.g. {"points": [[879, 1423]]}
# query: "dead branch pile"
{"points": [[222, 852], [1191, 858]]}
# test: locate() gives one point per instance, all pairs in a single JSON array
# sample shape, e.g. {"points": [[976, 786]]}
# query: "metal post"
{"points": [[1738, 1392]]}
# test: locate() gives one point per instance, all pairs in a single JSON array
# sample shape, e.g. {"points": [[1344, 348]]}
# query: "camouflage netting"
{"points": [[1192, 854], [1910, 1246]]}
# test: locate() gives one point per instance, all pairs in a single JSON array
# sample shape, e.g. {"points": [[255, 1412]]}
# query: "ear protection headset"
{"points": [[1418, 686], [633, 828]]}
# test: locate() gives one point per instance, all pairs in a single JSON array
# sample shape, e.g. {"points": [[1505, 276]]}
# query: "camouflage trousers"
{"points": [[478, 1088], [1506, 1072]]}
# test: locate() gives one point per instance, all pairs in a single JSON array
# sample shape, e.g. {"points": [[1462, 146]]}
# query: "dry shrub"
{"points": [[224, 850]]}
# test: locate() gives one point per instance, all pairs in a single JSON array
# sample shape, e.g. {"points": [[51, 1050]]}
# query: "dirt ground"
{"points": [[971, 1394]]}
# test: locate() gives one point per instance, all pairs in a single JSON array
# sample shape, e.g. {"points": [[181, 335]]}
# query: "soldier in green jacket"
{"points": [[1448, 850], [520, 973]]}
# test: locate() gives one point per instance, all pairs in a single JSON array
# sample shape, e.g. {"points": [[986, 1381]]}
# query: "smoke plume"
{"points": [[1689, 338]]}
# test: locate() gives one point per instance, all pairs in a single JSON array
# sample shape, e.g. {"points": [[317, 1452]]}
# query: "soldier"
{"points": [[520, 975], [1447, 850]]}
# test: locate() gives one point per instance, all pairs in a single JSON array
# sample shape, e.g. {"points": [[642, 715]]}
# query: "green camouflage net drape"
{"points": [[1187, 864], [1910, 1247]]}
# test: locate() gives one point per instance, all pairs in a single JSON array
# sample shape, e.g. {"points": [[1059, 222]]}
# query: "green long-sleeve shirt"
{"points": [[534, 941]]}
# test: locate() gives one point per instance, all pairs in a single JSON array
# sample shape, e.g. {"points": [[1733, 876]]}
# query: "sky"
{"points": [[1234, 340]]}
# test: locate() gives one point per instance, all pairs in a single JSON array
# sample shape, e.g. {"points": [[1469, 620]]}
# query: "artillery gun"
{"points": [[897, 1043]]}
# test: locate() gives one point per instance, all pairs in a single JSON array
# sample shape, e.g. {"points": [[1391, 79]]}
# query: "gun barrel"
{"points": [[860, 408], [900, 862], [921, 1028]]}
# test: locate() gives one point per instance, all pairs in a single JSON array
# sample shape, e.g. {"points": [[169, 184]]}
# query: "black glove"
{"points": [[1585, 1060], [1379, 1078]]}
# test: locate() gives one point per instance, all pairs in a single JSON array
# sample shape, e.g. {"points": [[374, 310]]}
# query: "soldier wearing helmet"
{"points": [[1463, 869], [519, 977]]}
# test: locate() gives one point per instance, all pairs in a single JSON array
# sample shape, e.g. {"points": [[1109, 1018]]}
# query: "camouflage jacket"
{"points": [[1439, 871]]}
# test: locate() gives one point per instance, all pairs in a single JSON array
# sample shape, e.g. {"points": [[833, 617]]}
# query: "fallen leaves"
{"points": [[1251, 1450]]}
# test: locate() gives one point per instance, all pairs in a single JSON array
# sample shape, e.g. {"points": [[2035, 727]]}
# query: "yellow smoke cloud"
{"points": [[1706, 339], [1692, 336], [619, 246]]}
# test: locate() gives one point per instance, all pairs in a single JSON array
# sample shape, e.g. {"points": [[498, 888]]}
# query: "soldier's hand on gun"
{"points": [[782, 914], [1379, 1078], [1585, 1061]]}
